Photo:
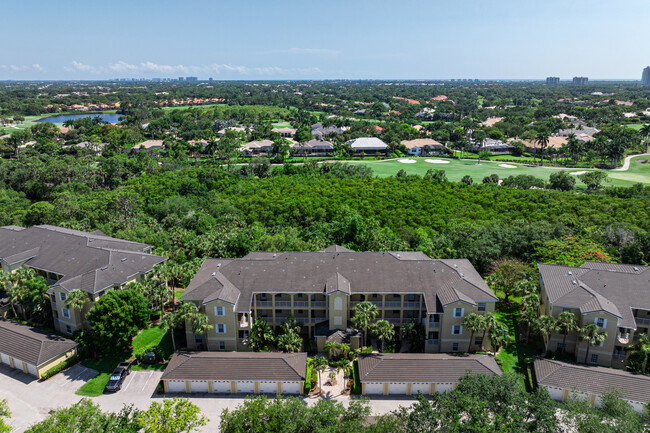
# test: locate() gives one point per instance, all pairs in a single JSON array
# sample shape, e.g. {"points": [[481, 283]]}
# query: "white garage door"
{"points": [[291, 388], [397, 388], [374, 388], [556, 394], [221, 387], [32, 369], [422, 387], [198, 386], [268, 387], [246, 387], [444, 387], [639, 407], [5, 358], [176, 386]]}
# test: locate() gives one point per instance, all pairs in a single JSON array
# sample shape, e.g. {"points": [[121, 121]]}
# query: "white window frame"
{"points": [[219, 309], [460, 330], [222, 345], [604, 322], [591, 359], [216, 328], [481, 305], [63, 296], [455, 347], [462, 312], [64, 311]]}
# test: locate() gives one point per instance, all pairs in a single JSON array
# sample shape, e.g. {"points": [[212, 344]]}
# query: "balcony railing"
{"points": [[307, 320], [411, 304], [243, 341], [262, 304], [393, 320], [623, 338], [433, 342], [618, 357], [393, 304], [642, 322], [243, 323], [377, 303], [300, 304], [280, 319], [434, 325], [283, 303], [318, 304]]}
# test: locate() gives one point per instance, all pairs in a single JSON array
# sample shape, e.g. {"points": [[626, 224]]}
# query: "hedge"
{"points": [[356, 388], [58, 368], [308, 377]]}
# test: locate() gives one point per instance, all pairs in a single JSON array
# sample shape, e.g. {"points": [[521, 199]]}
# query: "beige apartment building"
{"points": [[320, 289], [72, 259], [615, 297]]}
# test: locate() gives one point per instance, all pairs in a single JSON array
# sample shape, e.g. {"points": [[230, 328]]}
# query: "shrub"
{"points": [[308, 376], [356, 388], [58, 368]]}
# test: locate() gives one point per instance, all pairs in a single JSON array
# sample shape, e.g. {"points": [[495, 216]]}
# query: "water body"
{"points": [[110, 118]]}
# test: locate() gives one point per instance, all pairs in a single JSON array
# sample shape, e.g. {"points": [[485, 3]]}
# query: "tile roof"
{"points": [[87, 261], [248, 366], [358, 272], [591, 379], [613, 288], [31, 345], [421, 142], [423, 367], [372, 143]]}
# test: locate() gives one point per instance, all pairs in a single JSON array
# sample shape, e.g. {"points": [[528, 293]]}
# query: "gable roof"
{"points": [[248, 366], [613, 288], [423, 367], [421, 142], [337, 268], [591, 379], [31, 345], [372, 143]]}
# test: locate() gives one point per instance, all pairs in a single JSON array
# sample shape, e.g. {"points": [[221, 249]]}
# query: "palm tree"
{"points": [[201, 325], [490, 323], [344, 348], [645, 133], [289, 342], [290, 326], [170, 321], [640, 351], [77, 299], [499, 335], [330, 348], [318, 363], [542, 140], [475, 323], [566, 323], [545, 326], [364, 313], [383, 330], [530, 320], [6, 284], [591, 335], [261, 334]]}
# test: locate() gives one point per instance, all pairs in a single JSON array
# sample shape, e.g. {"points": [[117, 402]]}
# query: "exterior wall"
{"points": [[380, 388], [56, 361], [229, 320], [338, 307]]}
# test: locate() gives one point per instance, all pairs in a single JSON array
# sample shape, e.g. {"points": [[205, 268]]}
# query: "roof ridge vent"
{"points": [[574, 282], [570, 273], [635, 269], [124, 259], [103, 268], [214, 274]]}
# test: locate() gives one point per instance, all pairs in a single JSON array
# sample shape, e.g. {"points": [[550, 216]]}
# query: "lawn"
{"points": [[516, 356], [456, 169], [281, 124], [147, 338]]}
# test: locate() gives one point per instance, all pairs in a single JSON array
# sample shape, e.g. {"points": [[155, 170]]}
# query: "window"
{"points": [[300, 295], [220, 328], [374, 295], [481, 307], [566, 310], [457, 330], [219, 311], [396, 312], [478, 341], [454, 347], [65, 313], [222, 345], [62, 296], [433, 335], [313, 298], [396, 296], [278, 311], [263, 297], [594, 359], [56, 315], [459, 312], [411, 298], [68, 329], [560, 347], [600, 322]]}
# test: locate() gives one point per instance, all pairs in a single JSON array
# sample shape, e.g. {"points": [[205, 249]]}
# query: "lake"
{"points": [[110, 118]]}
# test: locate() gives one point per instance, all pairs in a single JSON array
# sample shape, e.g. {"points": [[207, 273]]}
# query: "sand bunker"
{"points": [[577, 173], [507, 166], [407, 161], [436, 161]]}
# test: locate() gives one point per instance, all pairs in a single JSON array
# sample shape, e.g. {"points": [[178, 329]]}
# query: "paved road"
{"points": [[31, 400], [626, 164]]}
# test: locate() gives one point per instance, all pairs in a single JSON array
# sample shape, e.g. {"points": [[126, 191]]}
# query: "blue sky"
{"points": [[355, 39]]}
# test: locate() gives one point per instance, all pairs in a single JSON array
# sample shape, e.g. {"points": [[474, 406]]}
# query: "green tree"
{"points": [[331, 348], [4, 413], [364, 313], [566, 323], [175, 415], [569, 251], [639, 352], [474, 323], [499, 336], [592, 337], [561, 180], [506, 274], [542, 141], [77, 299], [383, 330], [319, 363], [261, 335], [545, 326], [170, 322], [593, 180]]}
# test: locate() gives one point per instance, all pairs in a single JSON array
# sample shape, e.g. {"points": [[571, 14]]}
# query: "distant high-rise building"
{"points": [[191, 79], [181, 78], [552, 80], [581, 81], [645, 78]]}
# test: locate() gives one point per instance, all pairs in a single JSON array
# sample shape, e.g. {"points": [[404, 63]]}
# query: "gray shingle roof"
{"points": [[264, 366], [370, 143], [365, 272], [595, 286], [423, 367], [591, 379], [31, 345], [87, 261]]}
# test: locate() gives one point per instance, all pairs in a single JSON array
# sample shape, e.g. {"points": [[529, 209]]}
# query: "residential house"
{"points": [[261, 147], [313, 148], [582, 133], [71, 259], [321, 288], [410, 373], [493, 146], [614, 297], [31, 350], [285, 132], [425, 146], [566, 380], [554, 142], [93, 148], [320, 132], [367, 145], [150, 145], [231, 373]]}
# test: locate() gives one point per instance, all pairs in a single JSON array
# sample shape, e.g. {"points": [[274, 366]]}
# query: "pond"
{"points": [[108, 117]]}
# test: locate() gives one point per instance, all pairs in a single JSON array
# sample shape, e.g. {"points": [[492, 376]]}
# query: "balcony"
{"points": [[300, 304], [307, 320], [264, 304], [280, 319], [377, 303], [283, 303], [623, 338], [433, 342], [244, 323], [411, 304], [243, 341], [434, 325], [618, 357], [642, 322], [393, 320], [317, 304], [393, 304]]}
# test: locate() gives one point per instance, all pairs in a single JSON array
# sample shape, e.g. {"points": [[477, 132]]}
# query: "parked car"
{"points": [[122, 370]]}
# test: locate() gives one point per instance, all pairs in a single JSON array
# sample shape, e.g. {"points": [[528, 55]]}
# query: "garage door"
{"points": [[176, 386], [221, 387], [397, 388], [556, 394], [291, 388], [444, 387], [32, 370], [5, 358], [422, 387], [269, 387], [199, 386], [374, 388], [246, 387]]}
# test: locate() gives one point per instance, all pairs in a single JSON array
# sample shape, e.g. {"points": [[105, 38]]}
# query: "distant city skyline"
{"points": [[380, 39]]}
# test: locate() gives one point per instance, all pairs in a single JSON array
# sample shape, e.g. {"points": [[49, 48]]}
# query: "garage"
{"points": [[199, 386], [444, 387], [221, 387], [291, 388], [176, 386], [374, 388], [555, 393], [4, 358], [268, 387], [32, 370], [422, 387], [397, 388], [245, 387]]}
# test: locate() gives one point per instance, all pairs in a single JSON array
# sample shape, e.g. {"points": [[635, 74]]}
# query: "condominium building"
{"points": [[615, 297], [645, 77], [581, 81], [320, 289], [552, 80], [72, 259]]}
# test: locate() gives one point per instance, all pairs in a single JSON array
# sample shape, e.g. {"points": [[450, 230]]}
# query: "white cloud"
{"points": [[123, 67], [38, 67], [22, 68]]}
